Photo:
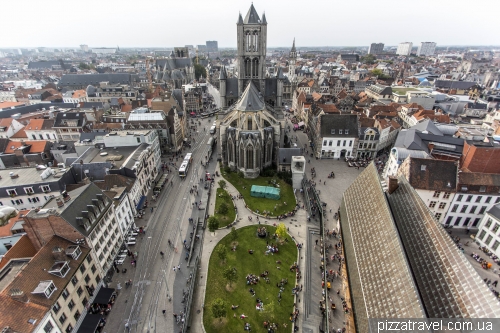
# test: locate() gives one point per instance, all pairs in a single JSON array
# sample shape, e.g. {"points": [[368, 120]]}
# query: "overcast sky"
{"points": [[167, 23]]}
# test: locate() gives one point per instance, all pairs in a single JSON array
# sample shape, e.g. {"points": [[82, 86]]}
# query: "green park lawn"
{"points": [[238, 293], [244, 186], [224, 219]]}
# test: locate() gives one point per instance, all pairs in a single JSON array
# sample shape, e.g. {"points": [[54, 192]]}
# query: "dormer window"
{"points": [[12, 192], [332, 131], [346, 131], [74, 251], [464, 188], [482, 189], [46, 288], [60, 268], [29, 190], [45, 188], [340, 131]]}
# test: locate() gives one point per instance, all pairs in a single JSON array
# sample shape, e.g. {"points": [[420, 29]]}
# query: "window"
{"points": [[432, 204], [495, 245], [63, 318], [332, 131], [488, 240], [84, 301], [88, 259], [93, 269], [29, 190], [496, 201], [11, 192], [340, 131], [344, 143], [45, 188], [482, 189], [446, 195], [436, 194], [457, 221], [71, 304], [478, 198], [48, 327], [350, 143], [79, 291], [346, 131], [34, 200], [488, 199], [65, 294], [338, 143], [469, 198], [324, 142], [460, 197], [87, 279], [495, 228], [330, 143], [454, 209], [467, 220], [464, 209], [442, 205], [482, 234], [56, 307], [476, 222], [488, 223], [77, 315], [82, 268], [97, 278], [473, 209], [448, 220], [74, 280], [481, 211], [69, 329], [438, 216]]}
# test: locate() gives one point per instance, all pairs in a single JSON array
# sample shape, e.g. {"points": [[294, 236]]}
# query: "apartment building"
{"points": [[51, 291], [404, 48], [84, 214], [426, 49], [376, 48], [488, 234]]}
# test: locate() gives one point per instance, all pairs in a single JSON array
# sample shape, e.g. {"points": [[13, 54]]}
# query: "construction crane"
{"points": [[148, 75]]}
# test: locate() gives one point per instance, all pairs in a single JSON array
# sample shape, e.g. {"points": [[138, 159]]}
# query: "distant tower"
{"points": [[292, 61], [222, 85], [252, 44]]}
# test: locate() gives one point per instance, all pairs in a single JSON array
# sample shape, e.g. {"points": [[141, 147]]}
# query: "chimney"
{"points": [[58, 253], [393, 184], [59, 202], [18, 295], [66, 196]]}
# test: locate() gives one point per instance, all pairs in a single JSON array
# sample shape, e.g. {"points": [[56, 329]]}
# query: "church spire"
{"points": [[240, 19], [252, 16], [264, 21], [293, 46]]}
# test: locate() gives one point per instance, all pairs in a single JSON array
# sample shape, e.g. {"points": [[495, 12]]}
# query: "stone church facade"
{"points": [[251, 61]]}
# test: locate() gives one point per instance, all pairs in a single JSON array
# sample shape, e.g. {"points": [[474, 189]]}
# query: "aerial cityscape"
{"points": [[269, 179]]}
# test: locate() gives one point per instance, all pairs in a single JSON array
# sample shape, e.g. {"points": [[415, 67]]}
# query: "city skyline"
{"points": [[111, 24]]}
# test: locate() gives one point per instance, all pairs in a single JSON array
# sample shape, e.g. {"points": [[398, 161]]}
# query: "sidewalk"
{"points": [[298, 228]]}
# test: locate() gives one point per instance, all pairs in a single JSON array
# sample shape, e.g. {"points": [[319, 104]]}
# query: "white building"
{"points": [[426, 49], [7, 96], [376, 48], [41, 129], [9, 127], [488, 234], [338, 136], [404, 48], [104, 50]]}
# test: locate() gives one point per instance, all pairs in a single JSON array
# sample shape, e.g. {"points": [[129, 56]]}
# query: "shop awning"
{"points": [[141, 202], [90, 323], [104, 295]]}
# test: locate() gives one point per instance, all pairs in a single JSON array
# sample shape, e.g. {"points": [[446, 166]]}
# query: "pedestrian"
{"points": [[179, 268], [316, 242], [175, 268]]}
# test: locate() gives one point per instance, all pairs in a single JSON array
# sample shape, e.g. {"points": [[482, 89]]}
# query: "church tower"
{"points": [[292, 61], [252, 44]]}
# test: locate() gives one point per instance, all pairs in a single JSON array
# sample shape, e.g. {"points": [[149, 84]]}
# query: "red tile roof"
{"points": [[21, 134], [36, 146], [4, 105]]}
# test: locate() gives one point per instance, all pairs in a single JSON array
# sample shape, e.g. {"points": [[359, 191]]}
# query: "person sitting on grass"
{"points": [[233, 307], [250, 251]]}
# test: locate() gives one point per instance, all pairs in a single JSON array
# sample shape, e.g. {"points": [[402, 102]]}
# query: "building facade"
{"points": [[376, 48], [404, 48], [426, 49], [488, 234]]}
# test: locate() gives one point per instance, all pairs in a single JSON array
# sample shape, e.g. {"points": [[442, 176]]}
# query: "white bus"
{"points": [[212, 130], [211, 144], [183, 170]]}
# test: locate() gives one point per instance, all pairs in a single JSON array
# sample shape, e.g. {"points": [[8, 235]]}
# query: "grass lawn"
{"points": [[402, 91], [261, 204], [238, 293], [224, 219]]}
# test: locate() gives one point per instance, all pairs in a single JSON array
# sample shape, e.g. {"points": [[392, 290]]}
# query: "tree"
{"points": [[281, 231], [223, 208], [213, 224], [222, 183], [221, 251], [199, 70], [378, 72], [83, 66], [230, 275], [368, 59], [234, 234], [219, 308]]}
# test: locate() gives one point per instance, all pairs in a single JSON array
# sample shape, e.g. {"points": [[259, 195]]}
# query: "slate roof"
{"points": [[44, 64], [449, 84], [271, 86], [495, 211], [380, 89], [432, 174], [448, 284], [252, 17], [174, 63], [379, 272], [63, 116], [70, 80], [429, 126], [285, 155], [250, 99], [232, 87], [339, 121]]}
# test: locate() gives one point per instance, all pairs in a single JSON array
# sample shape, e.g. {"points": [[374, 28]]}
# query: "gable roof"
{"points": [[454, 84], [432, 174], [339, 121], [61, 117], [285, 155], [23, 248], [37, 146], [250, 99]]}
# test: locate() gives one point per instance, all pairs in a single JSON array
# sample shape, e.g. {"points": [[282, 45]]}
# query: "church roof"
{"points": [[293, 46], [264, 21], [279, 74], [252, 16], [250, 99], [223, 74], [240, 19]]}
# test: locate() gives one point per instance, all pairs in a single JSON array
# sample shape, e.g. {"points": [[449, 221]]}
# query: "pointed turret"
{"points": [[293, 46], [240, 19], [264, 21], [223, 74], [252, 16], [279, 74]]}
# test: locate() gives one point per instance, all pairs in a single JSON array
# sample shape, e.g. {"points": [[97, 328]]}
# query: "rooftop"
{"points": [[40, 174]]}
